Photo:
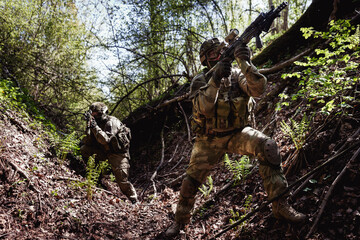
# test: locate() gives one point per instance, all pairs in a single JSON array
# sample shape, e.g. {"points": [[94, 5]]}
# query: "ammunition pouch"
{"points": [[228, 114], [240, 110]]}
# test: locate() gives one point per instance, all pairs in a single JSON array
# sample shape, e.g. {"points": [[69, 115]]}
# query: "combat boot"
{"points": [[174, 230], [282, 210]]}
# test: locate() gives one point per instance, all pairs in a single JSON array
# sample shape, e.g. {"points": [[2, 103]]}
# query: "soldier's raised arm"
{"points": [[254, 83]]}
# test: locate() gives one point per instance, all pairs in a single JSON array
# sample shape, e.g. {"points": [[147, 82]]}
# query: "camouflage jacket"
{"points": [[226, 108], [106, 132]]}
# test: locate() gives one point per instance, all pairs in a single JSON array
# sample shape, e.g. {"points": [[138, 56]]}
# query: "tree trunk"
{"points": [[285, 15]]}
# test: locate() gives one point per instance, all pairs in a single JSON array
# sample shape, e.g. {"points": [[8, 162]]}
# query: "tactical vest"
{"points": [[231, 111]]}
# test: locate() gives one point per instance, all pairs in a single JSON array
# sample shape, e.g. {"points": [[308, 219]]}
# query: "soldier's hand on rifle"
{"points": [[87, 115], [222, 69], [90, 119], [92, 122], [242, 52]]}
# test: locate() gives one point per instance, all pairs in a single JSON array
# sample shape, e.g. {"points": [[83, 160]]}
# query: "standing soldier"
{"points": [[108, 138], [221, 105]]}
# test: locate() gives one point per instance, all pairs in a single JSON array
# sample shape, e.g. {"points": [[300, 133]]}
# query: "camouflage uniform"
{"points": [[220, 121], [99, 140]]}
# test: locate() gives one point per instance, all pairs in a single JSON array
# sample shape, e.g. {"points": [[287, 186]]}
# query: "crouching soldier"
{"points": [[108, 138], [221, 106]]}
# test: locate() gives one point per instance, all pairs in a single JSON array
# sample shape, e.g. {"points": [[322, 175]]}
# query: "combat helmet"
{"points": [[100, 108], [205, 47]]}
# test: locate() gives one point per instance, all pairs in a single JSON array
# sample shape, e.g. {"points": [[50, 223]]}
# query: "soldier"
{"points": [[221, 105], [108, 138]]}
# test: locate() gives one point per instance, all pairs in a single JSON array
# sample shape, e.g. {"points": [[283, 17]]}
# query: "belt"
{"points": [[221, 134]]}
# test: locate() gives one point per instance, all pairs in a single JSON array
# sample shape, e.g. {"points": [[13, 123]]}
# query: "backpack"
{"points": [[124, 137], [120, 143]]}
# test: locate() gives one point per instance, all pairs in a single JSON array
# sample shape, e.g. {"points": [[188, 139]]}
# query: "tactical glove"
{"points": [[222, 69], [92, 122], [242, 52], [87, 115]]}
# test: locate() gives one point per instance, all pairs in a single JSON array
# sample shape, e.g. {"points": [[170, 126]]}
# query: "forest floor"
{"points": [[44, 197]]}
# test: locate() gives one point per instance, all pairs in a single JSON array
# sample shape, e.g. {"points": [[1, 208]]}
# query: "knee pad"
{"points": [[271, 153]]}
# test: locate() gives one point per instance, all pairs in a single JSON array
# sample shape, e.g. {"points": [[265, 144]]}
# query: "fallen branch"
{"points": [[66, 178], [177, 145], [17, 168], [330, 191], [340, 149], [287, 63], [177, 164], [263, 205], [186, 121], [176, 99], [301, 187], [177, 180], [161, 160], [4, 235]]}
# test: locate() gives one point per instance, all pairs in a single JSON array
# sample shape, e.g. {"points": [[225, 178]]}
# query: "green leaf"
{"points": [[313, 181]]}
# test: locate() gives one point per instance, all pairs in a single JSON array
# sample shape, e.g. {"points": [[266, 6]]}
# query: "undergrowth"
{"points": [[93, 172], [297, 131], [240, 168], [16, 99], [329, 77]]}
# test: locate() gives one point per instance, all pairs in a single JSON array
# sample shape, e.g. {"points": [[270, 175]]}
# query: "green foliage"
{"points": [[16, 98], [64, 144], [297, 131], [236, 216], [239, 168], [20, 101], [54, 192], [43, 47], [156, 43], [93, 172], [327, 78], [206, 189]]}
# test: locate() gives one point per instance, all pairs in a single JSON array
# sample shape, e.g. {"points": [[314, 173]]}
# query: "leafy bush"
{"points": [[43, 47], [19, 100], [328, 76]]}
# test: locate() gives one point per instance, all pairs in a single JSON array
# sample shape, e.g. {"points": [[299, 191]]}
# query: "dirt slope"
{"points": [[41, 200], [41, 197]]}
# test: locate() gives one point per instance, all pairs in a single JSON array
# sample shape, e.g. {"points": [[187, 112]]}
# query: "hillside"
{"points": [[43, 198], [311, 109]]}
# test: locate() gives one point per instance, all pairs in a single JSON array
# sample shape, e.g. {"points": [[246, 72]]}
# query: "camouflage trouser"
{"points": [[119, 164], [207, 152]]}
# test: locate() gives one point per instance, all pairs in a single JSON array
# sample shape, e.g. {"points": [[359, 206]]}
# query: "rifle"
{"points": [[261, 24], [88, 118]]}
